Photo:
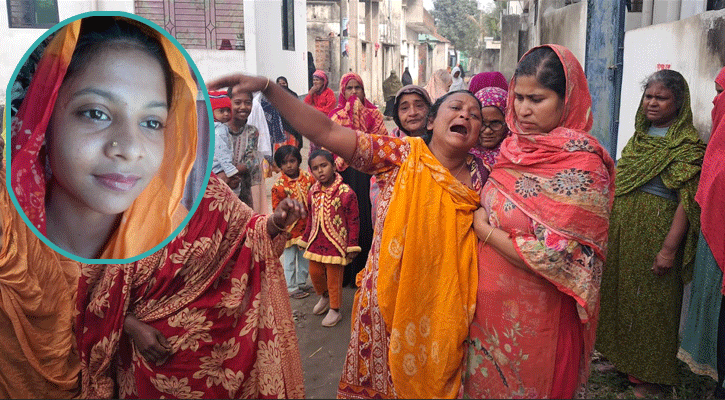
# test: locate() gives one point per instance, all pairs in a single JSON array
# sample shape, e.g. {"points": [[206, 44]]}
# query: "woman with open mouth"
{"points": [[417, 291]]}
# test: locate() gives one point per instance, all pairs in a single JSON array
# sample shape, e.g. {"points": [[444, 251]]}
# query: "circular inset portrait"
{"points": [[104, 138]]}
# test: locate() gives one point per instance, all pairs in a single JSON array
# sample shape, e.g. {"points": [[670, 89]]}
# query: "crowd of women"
{"points": [[533, 225]]}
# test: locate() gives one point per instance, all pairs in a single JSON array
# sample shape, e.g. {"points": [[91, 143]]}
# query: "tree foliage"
{"points": [[456, 21]]}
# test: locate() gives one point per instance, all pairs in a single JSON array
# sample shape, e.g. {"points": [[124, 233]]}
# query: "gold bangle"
{"points": [[487, 236], [275, 224], [666, 258], [266, 86]]}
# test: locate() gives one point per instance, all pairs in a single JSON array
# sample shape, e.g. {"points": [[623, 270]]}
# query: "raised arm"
{"points": [[305, 119]]}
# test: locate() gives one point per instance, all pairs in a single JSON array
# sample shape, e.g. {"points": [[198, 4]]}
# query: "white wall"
{"points": [[20, 39], [263, 39], [263, 42], [683, 45]]}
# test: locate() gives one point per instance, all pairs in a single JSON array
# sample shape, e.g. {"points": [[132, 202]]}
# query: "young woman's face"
{"points": [[354, 87], [719, 89], [283, 82], [457, 123], [659, 105], [323, 170], [222, 115], [106, 133], [413, 112], [493, 127], [538, 108]]}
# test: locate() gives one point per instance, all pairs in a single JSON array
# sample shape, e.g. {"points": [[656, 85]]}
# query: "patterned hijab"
{"points": [[488, 79], [562, 179], [491, 97], [354, 114], [711, 190], [161, 198], [676, 158]]}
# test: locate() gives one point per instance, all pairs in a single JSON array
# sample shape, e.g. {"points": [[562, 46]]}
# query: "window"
{"points": [[32, 13], [198, 24], [288, 25], [634, 5], [715, 4]]}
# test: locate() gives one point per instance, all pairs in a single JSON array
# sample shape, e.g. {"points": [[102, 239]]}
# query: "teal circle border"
{"points": [[8, 144]]}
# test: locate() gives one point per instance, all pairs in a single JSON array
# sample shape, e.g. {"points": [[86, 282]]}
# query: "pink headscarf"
{"points": [[322, 75], [711, 189], [342, 101], [491, 97], [488, 79]]}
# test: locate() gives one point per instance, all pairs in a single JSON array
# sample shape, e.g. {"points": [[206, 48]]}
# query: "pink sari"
{"points": [[534, 329]]}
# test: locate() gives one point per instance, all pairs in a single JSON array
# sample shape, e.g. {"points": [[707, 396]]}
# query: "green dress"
{"points": [[699, 339], [640, 312]]}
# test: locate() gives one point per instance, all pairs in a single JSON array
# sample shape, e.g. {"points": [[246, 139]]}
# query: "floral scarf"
{"points": [[677, 158], [29, 174], [357, 115], [562, 179], [217, 293], [711, 190], [491, 97]]}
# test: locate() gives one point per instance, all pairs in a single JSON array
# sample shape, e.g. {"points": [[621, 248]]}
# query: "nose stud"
{"points": [[114, 143]]}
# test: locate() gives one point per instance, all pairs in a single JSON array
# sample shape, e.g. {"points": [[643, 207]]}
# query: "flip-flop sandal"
{"points": [[299, 294]]}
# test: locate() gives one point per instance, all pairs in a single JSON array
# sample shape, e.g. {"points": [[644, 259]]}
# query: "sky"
{"points": [[428, 4]]}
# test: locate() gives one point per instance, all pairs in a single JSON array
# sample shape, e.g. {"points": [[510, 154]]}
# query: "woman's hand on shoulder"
{"points": [[149, 341], [287, 213]]}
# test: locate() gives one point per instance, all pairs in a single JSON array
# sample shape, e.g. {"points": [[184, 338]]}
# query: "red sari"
{"points": [[216, 292], [533, 331], [711, 189]]}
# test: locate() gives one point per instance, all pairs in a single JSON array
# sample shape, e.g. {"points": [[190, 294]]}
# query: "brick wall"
{"points": [[323, 54]]}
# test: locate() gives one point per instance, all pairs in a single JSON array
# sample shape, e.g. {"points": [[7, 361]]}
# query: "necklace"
{"points": [[460, 169]]}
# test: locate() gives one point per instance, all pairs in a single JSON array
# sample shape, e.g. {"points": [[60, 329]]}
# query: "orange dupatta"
{"points": [[161, 199], [428, 269]]}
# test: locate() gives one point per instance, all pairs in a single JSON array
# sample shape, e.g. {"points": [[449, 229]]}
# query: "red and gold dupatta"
{"points": [[357, 115], [216, 292]]}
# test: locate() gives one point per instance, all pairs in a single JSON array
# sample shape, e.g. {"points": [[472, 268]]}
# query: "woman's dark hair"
{"points": [[433, 112], [672, 80], [118, 33], [281, 78], [284, 151], [544, 64], [321, 153]]}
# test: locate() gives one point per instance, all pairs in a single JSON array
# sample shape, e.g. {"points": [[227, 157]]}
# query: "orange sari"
{"points": [[533, 331], [37, 293]]}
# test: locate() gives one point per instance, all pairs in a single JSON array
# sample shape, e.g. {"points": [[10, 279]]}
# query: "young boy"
{"points": [[221, 106], [331, 235], [223, 166], [294, 184]]}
